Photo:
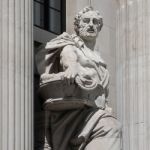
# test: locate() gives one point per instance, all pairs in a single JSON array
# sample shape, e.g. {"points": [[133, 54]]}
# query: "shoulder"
{"points": [[68, 49], [60, 41]]}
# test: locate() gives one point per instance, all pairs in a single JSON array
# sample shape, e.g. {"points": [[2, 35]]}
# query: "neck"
{"points": [[90, 44]]}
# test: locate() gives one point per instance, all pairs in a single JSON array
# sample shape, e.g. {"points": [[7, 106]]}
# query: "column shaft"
{"points": [[16, 75], [133, 72]]}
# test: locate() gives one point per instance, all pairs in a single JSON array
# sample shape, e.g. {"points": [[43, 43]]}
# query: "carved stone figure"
{"points": [[74, 88]]}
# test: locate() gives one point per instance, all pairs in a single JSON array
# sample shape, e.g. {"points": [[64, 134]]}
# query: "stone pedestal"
{"points": [[133, 72], [16, 75]]}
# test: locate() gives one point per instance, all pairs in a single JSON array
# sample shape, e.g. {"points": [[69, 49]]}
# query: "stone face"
{"points": [[16, 75], [74, 88]]}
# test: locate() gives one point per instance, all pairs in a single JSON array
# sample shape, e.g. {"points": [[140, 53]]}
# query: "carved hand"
{"points": [[70, 74]]}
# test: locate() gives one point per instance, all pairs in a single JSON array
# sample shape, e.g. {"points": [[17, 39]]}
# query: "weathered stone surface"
{"points": [[106, 41], [80, 77]]}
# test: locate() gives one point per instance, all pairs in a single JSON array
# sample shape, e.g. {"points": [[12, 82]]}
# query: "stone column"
{"points": [[16, 75], [133, 72]]}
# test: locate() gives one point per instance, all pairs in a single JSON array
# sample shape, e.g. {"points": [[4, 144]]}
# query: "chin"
{"points": [[90, 37]]}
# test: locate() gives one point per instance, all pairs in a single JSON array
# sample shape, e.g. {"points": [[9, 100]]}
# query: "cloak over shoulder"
{"points": [[54, 47]]}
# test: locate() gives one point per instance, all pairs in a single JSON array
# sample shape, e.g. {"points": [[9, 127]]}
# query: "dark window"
{"points": [[39, 14], [55, 4], [50, 15]]}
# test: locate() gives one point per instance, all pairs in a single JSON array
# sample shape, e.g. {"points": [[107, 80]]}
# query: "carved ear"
{"points": [[100, 24]]}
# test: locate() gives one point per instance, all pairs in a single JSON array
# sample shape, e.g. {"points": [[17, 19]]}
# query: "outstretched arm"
{"points": [[68, 60]]}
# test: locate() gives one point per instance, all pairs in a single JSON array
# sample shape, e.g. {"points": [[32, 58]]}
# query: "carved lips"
{"points": [[90, 30]]}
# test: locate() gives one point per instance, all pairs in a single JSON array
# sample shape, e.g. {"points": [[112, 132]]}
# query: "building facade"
{"points": [[27, 25]]}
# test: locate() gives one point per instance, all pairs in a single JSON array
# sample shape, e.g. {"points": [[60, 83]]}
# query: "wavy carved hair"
{"points": [[77, 18]]}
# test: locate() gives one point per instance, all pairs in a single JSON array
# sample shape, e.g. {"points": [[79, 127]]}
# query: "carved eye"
{"points": [[95, 21], [86, 20]]}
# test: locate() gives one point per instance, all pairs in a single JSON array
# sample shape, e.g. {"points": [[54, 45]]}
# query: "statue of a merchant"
{"points": [[75, 88]]}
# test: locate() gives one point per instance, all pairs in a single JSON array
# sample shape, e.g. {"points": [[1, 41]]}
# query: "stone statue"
{"points": [[74, 88]]}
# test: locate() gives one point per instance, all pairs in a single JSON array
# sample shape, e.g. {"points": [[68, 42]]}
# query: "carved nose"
{"points": [[91, 24]]}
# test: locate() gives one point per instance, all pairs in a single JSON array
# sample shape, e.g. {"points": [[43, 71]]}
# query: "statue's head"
{"points": [[88, 23]]}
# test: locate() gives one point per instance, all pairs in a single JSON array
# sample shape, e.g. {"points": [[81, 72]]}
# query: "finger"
{"points": [[66, 74], [65, 79], [72, 79], [68, 80]]}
